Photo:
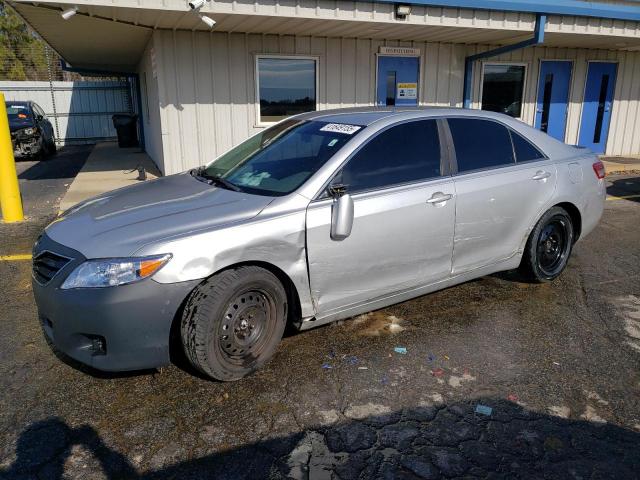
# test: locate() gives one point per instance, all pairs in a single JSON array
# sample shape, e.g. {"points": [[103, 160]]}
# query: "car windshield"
{"points": [[16, 112], [280, 159]]}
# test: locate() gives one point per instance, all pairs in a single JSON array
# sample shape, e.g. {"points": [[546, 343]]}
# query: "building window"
{"points": [[286, 86], [503, 88]]}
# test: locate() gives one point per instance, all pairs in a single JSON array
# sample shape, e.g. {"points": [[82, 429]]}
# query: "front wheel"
{"points": [[233, 322], [52, 148], [549, 246]]}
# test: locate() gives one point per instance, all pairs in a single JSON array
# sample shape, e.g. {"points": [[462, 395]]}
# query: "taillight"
{"points": [[599, 170]]}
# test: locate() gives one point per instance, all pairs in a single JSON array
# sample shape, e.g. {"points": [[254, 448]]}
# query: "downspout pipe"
{"points": [[102, 73], [537, 39]]}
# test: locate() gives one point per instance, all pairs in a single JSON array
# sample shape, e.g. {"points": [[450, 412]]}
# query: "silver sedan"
{"points": [[320, 217]]}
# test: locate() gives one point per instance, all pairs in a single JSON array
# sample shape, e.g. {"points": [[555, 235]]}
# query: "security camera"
{"points": [[196, 4], [68, 13], [208, 20]]}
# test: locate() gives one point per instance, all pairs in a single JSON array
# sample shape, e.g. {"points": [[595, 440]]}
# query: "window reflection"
{"points": [[502, 88], [287, 87]]}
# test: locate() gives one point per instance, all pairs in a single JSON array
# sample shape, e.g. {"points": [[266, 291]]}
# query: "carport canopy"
{"points": [[108, 37]]}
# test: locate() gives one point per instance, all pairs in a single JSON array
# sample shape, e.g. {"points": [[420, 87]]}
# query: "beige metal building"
{"points": [[568, 67]]}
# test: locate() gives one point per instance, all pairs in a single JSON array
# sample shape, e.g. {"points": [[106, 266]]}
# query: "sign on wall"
{"points": [[409, 51], [407, 91]]}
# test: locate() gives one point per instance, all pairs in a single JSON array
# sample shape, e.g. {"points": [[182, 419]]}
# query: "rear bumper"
{"points": [[114, 328], [593, 207]]}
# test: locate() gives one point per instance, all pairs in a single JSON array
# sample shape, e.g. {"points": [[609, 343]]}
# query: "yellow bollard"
{"points": [[10, 200]]}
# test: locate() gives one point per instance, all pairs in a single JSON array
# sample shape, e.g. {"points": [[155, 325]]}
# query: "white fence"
{"points": [[79, 111]]}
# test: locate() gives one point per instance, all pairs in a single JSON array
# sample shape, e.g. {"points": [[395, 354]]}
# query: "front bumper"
{"points": [[114, 328], [25, 145]]}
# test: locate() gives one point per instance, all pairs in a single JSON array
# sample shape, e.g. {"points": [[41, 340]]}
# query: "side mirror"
{"points": [[341, 213], [39, 118]]}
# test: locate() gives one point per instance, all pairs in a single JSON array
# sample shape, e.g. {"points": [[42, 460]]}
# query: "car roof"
{"points": [[367, 115]]}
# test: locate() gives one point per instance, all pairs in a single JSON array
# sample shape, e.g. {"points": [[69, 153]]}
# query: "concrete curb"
{"points": [[613, 168], [625, 165]]}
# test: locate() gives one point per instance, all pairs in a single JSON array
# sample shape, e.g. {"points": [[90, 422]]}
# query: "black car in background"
{"points": [[31, 132]]}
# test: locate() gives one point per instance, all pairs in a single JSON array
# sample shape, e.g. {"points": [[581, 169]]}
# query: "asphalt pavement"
{"points": [[494, 378]]}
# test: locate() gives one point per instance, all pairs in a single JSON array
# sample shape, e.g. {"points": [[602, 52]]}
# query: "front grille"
{"points": [[46, 265]]}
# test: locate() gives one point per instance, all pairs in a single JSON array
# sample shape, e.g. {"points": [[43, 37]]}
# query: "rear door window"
{"points": [[524, 150], [480, 144], [405, 153]]}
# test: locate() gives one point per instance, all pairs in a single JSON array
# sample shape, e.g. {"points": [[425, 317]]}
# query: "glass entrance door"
{"points": [[397, 80], [596, 109], [553, 98]]}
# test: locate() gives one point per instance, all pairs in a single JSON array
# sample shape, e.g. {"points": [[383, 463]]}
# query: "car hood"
{"points": [[120, 222]]}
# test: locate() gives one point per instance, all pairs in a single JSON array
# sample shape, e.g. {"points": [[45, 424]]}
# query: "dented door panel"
{"points": [[496, 209], [398, 241]]}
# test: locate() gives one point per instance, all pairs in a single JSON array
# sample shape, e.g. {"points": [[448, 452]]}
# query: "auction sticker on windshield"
{"points": [[340, 128]]}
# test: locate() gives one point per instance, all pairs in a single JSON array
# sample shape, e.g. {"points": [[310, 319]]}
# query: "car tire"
{"points": [[51, 147], [233, 322], [41, 153], [548, 246]]}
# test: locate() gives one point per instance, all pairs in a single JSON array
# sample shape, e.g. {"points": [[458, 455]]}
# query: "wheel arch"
{"points": [[576, 218], [294, 309]]}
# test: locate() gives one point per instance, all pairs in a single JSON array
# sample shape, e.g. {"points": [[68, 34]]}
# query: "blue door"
{"points": [[596, 110], [553, 98], [397, 80]]}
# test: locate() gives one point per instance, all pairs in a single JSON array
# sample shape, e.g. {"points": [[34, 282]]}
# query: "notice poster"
{"points": [[408, 91]]}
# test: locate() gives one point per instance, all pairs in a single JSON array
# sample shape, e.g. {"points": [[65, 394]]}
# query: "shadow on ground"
{"points": [[432, 441], [64, 165], [625, 187]]}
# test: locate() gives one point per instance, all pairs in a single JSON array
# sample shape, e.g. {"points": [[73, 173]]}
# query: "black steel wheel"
{"points": [[243, 325], [232, 323], [549, 246]]}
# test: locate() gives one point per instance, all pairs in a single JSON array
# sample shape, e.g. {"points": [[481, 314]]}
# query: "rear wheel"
{"points": [[549, 246], [233, 322]]}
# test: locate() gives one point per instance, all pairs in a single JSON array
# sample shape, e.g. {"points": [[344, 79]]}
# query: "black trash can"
{"points": [[126, 127]]}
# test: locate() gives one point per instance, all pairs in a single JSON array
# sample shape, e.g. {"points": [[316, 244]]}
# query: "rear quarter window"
{"points": [[525, 151], [480, 144]]}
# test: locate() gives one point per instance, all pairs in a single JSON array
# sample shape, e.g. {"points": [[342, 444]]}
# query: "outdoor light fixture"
{"points": [[196, 4], [402, 10], [208, 20], [68, 13]]}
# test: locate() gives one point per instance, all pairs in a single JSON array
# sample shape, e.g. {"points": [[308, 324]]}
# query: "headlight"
{"points": [[28, 131], [109, 272]]}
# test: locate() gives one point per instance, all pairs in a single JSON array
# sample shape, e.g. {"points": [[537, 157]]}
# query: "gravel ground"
{"points": [[500, 379]]}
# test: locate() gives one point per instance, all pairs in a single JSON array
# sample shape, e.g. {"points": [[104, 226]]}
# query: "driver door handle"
{"points": [[439, 197], [541, 175]]}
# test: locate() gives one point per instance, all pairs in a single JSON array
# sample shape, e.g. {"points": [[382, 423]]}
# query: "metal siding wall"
{"points": [[84, 109], [151, 108], [624, 129], [207, 85], [209, 105]]}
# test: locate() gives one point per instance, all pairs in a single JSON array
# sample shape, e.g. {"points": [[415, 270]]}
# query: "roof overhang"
{"points": [[581, 8], [107, 36]]}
